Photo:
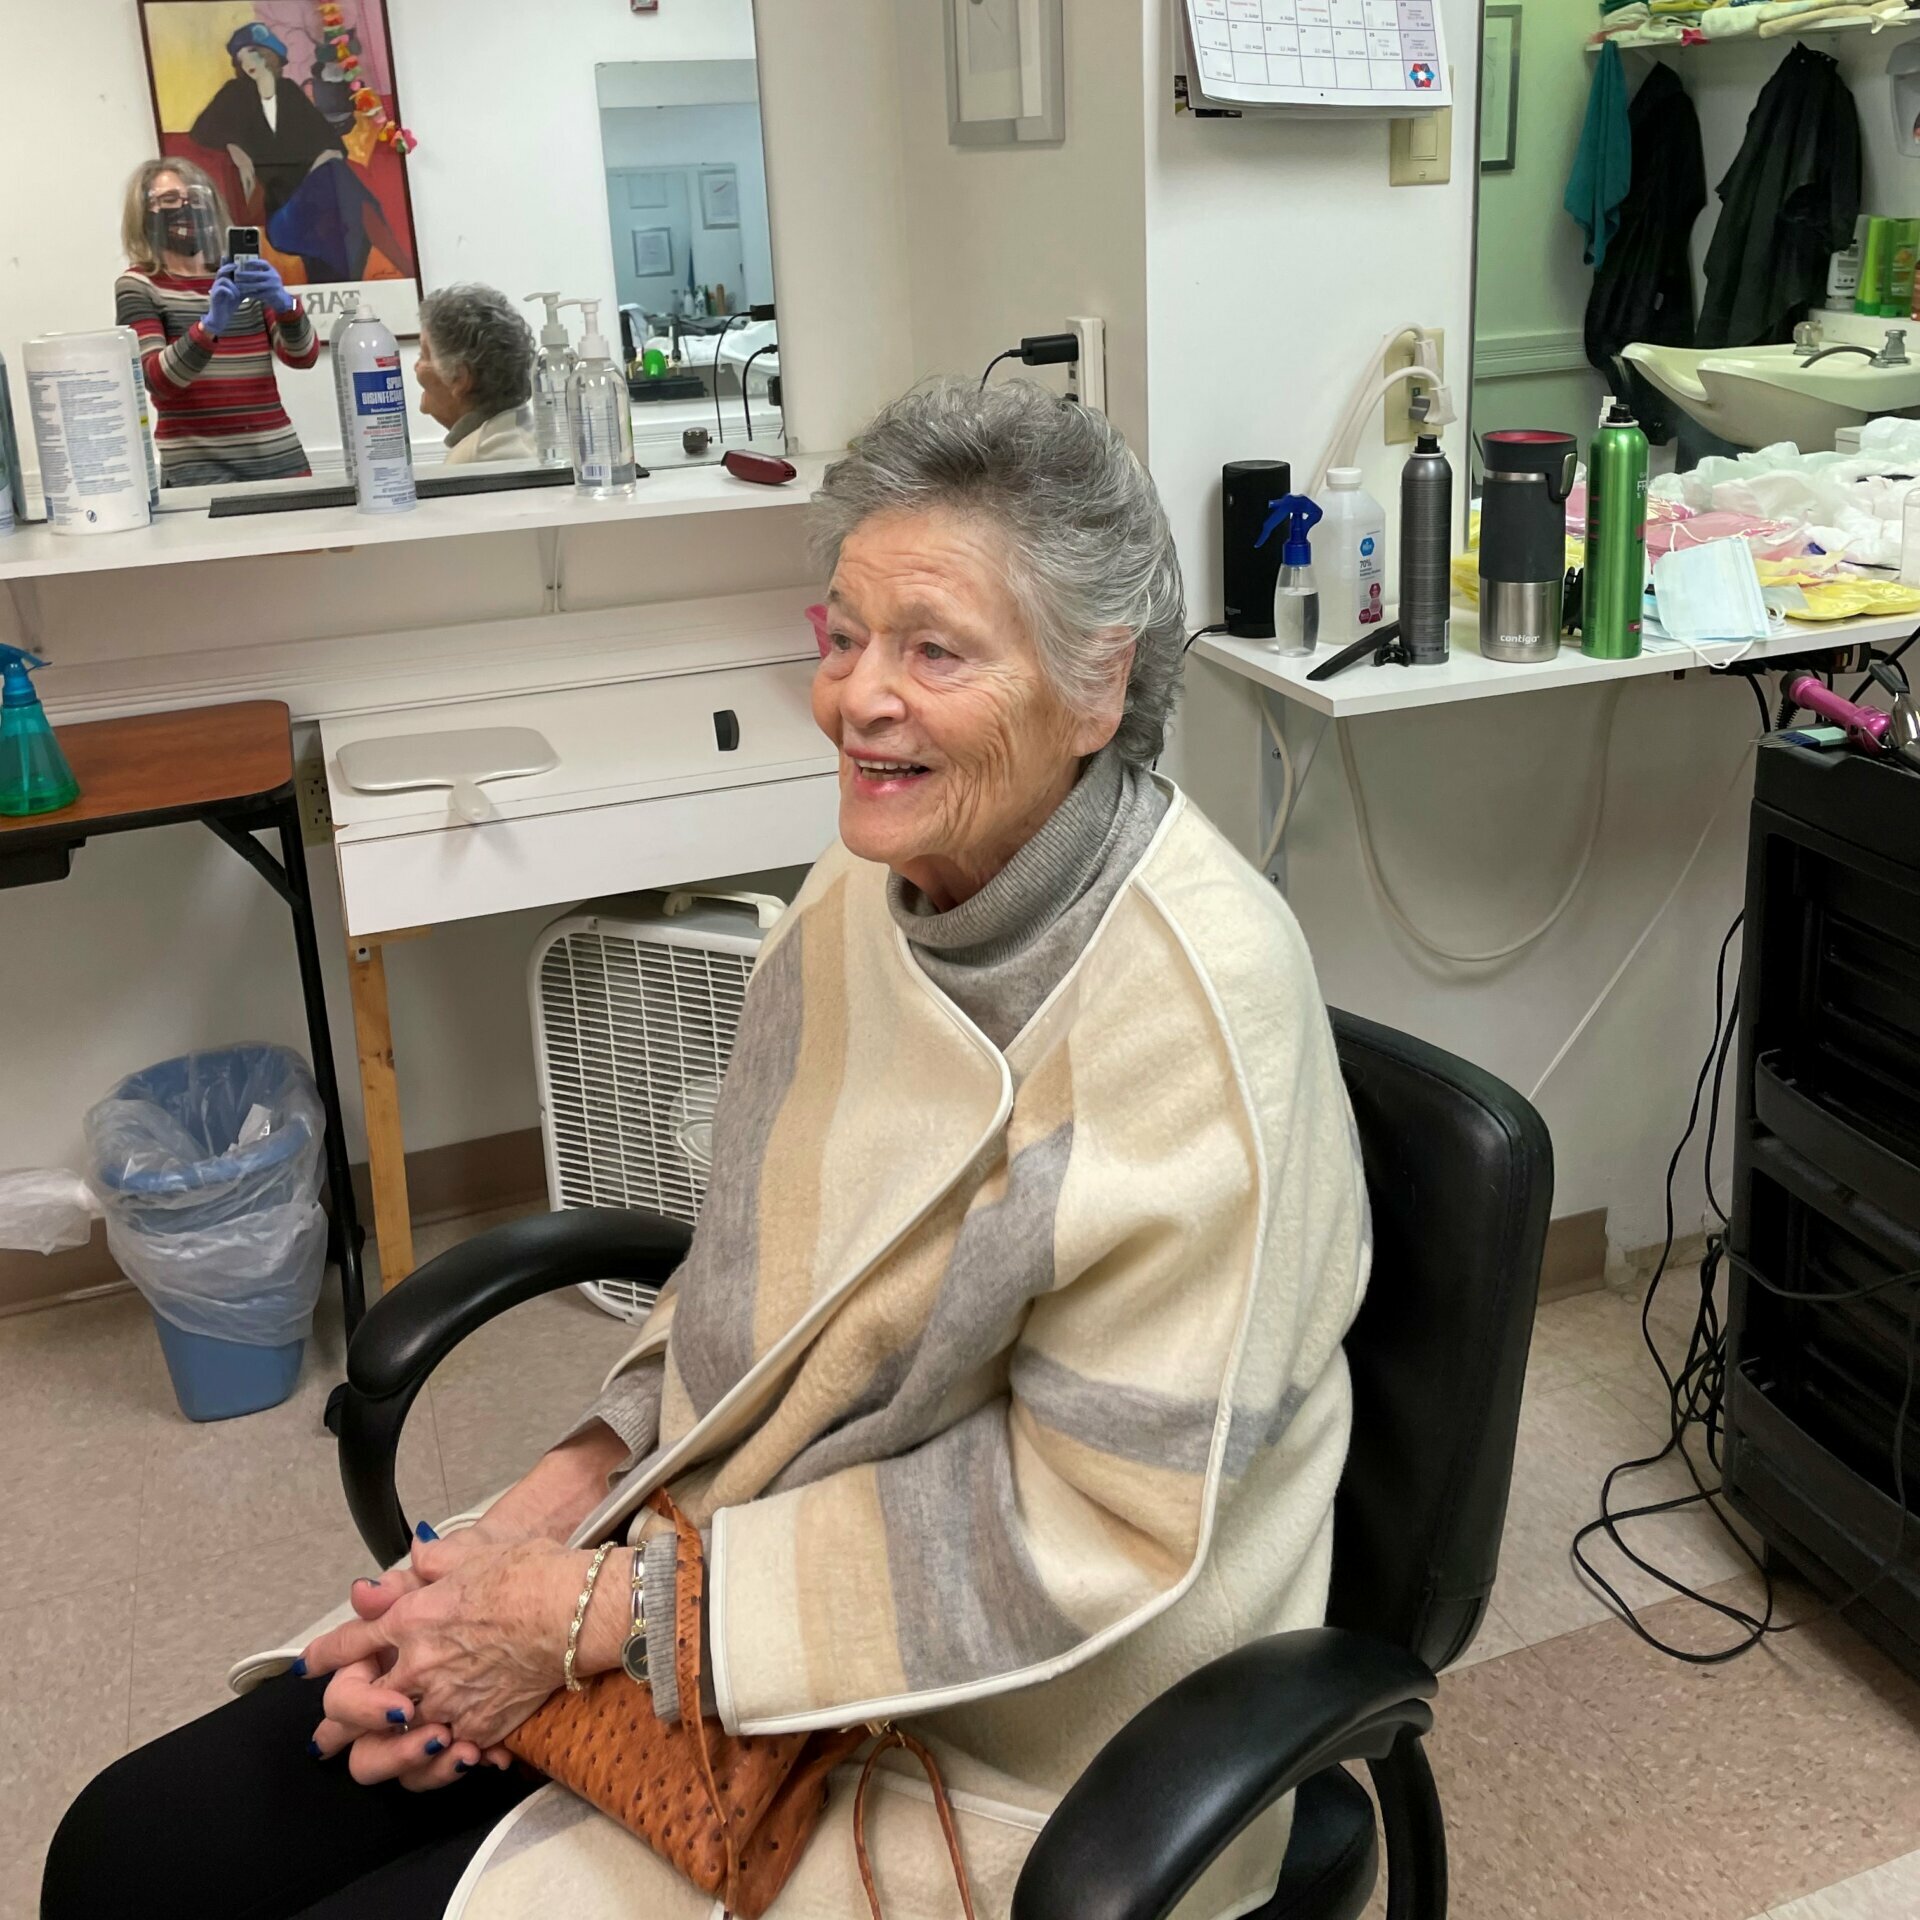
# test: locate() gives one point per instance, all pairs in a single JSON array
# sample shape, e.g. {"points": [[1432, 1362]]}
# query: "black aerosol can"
{"points": [[1426, 514]]}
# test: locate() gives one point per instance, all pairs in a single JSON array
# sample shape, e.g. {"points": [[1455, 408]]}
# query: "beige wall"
{"points": [[1009, 241]]}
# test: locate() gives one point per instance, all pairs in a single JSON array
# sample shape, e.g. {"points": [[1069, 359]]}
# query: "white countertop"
{"points": [[33, 552], [1365, 688]]}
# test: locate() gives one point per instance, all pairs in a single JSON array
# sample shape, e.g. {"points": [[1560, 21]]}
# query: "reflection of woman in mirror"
{"points": [[476, 374], [209, 333], [314, 204]]}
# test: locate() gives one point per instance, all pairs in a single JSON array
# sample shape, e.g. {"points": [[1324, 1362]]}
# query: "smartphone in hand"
{"points": [[242, 240]]}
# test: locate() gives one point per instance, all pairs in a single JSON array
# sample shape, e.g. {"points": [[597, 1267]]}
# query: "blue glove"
{"points": [[223, 302], [260, 280]]}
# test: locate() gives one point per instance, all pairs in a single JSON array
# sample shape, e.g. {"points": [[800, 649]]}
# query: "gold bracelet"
{"points": [[580, 1616]]}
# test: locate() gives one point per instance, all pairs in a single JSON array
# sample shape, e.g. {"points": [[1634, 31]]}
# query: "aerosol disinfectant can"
{"points": [[342, 387], [379, 455], [1616, 569]]}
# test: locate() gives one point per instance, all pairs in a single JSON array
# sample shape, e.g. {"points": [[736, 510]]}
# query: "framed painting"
{"points": [[1499, 89], [257, 94]]}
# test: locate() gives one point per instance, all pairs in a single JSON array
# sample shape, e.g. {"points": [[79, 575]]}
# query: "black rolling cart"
{"points": [[1827, 1184]]}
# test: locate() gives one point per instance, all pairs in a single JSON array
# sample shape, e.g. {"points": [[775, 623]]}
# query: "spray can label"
{"points": [[383, 467]]}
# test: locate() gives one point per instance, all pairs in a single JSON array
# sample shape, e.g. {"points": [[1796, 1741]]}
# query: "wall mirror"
{"points": [[686, 200], [1679, 284], [598, 153]]}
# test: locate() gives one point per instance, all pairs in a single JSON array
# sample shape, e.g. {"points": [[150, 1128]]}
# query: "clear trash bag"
{"points": [[45, 1209], [209, 1169]]}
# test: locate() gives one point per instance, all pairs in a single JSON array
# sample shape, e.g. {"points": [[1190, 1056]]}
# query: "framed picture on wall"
{"points": [[652, 251], [256, 96], [719, 197], [1499, 89]]}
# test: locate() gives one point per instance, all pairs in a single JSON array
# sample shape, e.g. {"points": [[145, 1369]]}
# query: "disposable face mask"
{"points": [[1710, 592]]}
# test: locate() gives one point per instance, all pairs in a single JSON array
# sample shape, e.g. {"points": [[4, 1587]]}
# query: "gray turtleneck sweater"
{"points": [[998, 954]]}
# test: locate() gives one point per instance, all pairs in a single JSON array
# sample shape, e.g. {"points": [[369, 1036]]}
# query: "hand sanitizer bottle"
{"points": [[551, 370], [599, 416], [1296, 598]]}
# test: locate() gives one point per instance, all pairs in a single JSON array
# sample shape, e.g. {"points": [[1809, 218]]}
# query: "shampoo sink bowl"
{"points": [[1755, 396]]}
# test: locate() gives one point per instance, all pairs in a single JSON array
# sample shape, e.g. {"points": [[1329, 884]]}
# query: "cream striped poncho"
{"points": [[1010, 1385]]}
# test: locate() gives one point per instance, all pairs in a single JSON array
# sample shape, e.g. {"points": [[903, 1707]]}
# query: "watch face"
{"points": [[633, 1656]]}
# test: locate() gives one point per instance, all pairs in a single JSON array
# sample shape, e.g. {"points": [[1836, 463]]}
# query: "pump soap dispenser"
{"points": [[34, 775], [551, 369], [599, 415], [1296, 599]]}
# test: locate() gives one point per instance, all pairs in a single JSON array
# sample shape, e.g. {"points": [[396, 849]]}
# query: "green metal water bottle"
{"points": [[1616, 572]]}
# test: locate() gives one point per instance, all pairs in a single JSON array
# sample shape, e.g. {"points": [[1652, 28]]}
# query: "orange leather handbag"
{"points": [[730, 1812]]}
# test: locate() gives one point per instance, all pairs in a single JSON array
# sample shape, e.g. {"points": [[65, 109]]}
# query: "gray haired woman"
{"points": [[1004, 1374], [476, 373]]}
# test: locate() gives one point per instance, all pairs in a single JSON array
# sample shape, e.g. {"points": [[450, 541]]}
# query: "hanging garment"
{"points": [[1644, 290], [1788, 203], [1599, 180]]}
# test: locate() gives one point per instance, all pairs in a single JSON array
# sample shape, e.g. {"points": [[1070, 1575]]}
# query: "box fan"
{"points": [[636, 1002]]}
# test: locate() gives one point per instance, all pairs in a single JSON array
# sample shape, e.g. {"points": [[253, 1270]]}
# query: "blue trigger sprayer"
{"points": [[34, 775], [1296, 600]]}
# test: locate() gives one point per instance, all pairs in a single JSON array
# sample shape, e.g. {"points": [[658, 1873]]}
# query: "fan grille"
{"points": [[638, 1035]]}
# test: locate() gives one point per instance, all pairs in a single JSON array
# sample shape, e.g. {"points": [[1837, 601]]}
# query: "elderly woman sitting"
{"points": [[1005, 1371], [476, 374]]}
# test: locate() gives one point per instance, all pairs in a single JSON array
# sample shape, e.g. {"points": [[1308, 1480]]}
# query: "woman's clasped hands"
{"points": [[448, 1655]]}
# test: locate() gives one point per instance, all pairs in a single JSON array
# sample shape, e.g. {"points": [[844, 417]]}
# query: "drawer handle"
{"points": [[726, 730]]}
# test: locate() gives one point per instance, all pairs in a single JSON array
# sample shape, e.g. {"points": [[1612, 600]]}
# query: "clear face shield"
{"points": [[180, 221]]}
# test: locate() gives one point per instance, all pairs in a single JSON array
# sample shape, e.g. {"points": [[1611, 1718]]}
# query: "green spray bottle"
{"points": [[34, 775], [1616, 568]]}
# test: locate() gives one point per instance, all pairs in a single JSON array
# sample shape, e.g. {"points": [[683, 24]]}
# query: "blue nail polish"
{"points": [[300, 1669], [436, 1746], [422, 1531], [463, 1766], [313, 1747], [396, 1716]]}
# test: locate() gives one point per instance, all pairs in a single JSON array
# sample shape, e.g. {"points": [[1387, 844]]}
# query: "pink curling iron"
{"points": [[1868, 729]]}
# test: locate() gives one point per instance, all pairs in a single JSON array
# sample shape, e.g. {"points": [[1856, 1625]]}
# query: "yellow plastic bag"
{"points": [[1848, 599]]}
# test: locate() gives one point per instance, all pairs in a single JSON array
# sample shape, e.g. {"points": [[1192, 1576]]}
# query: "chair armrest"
{"points": [[408, 1332], [1189, 1772]]}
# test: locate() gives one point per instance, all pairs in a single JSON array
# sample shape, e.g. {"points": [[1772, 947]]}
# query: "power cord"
{"points": [[746, 404], [719, 340], [1696, 1396], [1038, 350]]}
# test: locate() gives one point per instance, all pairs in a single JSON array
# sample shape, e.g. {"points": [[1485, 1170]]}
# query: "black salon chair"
{"points": [[1460, 1172]]}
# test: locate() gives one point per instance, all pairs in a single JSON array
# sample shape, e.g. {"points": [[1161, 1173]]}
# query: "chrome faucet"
{"points": [[1892, 353]]}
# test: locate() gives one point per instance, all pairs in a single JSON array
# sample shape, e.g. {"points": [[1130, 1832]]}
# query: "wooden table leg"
{"points": [[380, 1098]]}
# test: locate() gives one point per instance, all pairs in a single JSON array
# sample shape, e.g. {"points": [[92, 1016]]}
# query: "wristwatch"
{"points": [[633, 1654]]}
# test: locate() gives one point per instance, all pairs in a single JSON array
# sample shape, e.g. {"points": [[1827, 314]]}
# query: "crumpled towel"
{"points": [[1603, 162]]}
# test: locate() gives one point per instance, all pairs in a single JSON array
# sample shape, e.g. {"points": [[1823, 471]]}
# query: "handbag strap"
{"points": [[897, 1737], [689, 1585]]}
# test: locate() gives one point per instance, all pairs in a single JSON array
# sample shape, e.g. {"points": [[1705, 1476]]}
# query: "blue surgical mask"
{"points": [[1710, 592]]}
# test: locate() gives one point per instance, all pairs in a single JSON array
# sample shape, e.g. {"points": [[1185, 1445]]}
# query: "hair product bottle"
{"points": [[1426, 582], [1616, 571]]}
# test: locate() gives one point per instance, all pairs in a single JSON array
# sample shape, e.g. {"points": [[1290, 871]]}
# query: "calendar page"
{"points": [[1324, 53]]}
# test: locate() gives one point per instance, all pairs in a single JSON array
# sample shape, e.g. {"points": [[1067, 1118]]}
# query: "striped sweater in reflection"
{"points": [[218, 411]]}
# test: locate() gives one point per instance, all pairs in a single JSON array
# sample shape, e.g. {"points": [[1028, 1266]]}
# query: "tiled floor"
{"points": [[1584, 1776]]}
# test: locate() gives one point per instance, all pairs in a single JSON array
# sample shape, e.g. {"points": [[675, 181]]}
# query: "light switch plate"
{"points": [[1420, 150]]}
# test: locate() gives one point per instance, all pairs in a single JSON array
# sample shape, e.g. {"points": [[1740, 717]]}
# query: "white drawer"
{"points": [[645, 795]]}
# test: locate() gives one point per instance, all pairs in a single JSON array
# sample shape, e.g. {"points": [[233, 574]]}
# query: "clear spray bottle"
{"points": [[1296, 598]]}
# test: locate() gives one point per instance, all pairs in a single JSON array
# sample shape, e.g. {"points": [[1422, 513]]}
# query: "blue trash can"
{"points": [[209, 1168]]}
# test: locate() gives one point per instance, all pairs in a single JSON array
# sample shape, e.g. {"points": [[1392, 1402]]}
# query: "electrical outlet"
{"points": [[310, 788], [1091, 384], [1402, 429]]}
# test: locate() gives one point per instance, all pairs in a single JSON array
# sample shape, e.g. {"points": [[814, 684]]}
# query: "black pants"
{"points": [[231, 1815]]}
